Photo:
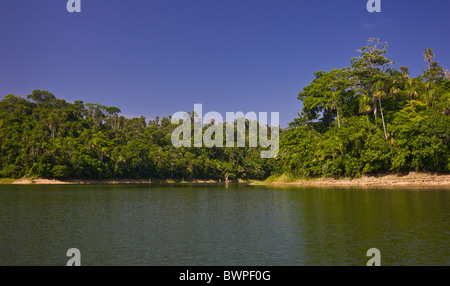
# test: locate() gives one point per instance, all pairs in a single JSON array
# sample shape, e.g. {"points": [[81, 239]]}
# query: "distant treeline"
{"points": [[47, 137], [364, 118]]}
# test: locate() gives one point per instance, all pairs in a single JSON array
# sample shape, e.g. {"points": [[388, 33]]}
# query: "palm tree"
{"points": [[405, 71], [410, 88], [428, 54], [429, 93], [364, 105]]}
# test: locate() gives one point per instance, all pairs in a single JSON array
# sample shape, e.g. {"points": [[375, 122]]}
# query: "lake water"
{"points": [[214, 225]]}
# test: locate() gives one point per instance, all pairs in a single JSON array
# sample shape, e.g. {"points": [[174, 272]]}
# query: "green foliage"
{"points": [[284, 178], [60, 171], [365, 118], [412, 134], [43, 136]]}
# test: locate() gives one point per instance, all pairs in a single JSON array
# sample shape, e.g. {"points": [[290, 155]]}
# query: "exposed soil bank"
{"points": [[412, 179], [393, 180], [37, 181]]}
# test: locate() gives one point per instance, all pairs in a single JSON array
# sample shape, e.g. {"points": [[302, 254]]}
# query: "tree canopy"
{"points": [[47, 137], [368, 118], [364, 118]]}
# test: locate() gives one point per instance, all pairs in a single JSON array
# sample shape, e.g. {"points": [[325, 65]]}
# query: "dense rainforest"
{"points": [[43, 136], [361, 119], [370, 118]]}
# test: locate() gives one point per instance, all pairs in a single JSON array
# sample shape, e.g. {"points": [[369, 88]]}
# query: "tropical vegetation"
{"points": [[365, 118]]}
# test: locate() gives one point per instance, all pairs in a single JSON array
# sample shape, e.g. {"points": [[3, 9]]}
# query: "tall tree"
{"points": [[429, 56], [370, 67]]}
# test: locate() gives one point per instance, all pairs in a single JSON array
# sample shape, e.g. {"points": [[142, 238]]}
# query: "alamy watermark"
{"points": [[75, 255], [73, 6], [376, 257], [236, 123], [373, 6], [374, 253]]}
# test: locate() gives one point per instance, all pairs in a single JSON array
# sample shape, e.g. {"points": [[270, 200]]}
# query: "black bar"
{"points": [[161, 275]]}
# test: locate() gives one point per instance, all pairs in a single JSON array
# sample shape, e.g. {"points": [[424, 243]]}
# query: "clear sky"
{"points": [[157, 57]]}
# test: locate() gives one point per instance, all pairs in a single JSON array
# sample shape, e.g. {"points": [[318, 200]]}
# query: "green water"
{"points": [[214, 225]]}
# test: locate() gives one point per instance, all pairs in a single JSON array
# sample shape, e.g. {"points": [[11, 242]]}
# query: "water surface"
{"points": [[214, 225]]}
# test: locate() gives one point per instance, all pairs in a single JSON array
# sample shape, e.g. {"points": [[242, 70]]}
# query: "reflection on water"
{"points": [[214, 225]]}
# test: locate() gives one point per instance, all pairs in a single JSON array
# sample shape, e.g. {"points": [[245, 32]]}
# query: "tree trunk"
{"points": [[375, 109], [339, 122], [382, 116]]}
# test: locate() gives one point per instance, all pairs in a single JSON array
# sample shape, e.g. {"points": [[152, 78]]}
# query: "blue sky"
{"points": [[157, 57]]}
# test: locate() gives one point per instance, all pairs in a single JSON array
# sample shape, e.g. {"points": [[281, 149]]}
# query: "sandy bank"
{"points": [[26, 181], [412, 179]]}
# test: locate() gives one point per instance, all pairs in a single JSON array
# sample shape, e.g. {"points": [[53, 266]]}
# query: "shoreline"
{"points": [[413, 179], [40, 181], [391, 180]]}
